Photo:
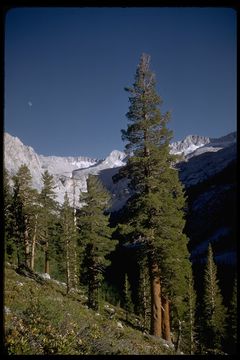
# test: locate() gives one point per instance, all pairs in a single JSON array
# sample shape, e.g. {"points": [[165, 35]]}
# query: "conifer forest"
{"points": [[87, 281]]}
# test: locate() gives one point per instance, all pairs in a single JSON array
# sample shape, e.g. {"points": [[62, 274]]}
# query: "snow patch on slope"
{"points": [[65, 165]]}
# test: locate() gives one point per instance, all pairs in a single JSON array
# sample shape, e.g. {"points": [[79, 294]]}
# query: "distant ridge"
{"points": [[70, 173]]}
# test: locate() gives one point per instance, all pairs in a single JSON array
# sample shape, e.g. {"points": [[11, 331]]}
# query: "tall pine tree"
{"points": [[214, 321], [156, 215], [95, 235]]}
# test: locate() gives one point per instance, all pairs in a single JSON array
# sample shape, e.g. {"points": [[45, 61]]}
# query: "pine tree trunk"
{"points": [[166, 332], [19, 241], [68, 267], [34, 243], [93, 291], [19, 249], [75, 277], [46, 267], [156, 312], [144, 301], [179, 336], [191, 327], [27, 246]]}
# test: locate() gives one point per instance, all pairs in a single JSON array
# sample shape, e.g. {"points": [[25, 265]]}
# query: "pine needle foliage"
{"points": [[24, 204], [95, 235], [190, 339], [214, 322], [127, 298], [233, 318], [47, 217], [10, 243]]}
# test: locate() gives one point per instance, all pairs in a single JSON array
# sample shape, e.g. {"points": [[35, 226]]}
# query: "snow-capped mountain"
{"points": [[194, 145], [58, 165], [17, 154], [189, 144], [203, 157], [206, 170], [70, 173]]}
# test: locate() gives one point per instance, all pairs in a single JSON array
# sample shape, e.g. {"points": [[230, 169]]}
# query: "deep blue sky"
{"points": [[66, 69]]}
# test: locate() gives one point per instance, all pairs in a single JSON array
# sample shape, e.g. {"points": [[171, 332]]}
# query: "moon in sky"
{"points": [[29, 103]]}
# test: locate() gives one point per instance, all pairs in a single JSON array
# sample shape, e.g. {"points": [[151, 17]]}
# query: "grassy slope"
{"points": [[42, 319]]}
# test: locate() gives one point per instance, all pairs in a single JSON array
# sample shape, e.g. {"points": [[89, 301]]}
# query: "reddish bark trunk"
{"points": [[156, 314], [166, 332]]}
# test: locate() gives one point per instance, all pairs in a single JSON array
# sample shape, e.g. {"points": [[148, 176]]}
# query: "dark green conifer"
{"points": [[214, 322], [23, 207], [189, 324], [232, 319], [127, 298], [95, 235], [143, 306], [156, 216], [47, 216], [10, 245]]}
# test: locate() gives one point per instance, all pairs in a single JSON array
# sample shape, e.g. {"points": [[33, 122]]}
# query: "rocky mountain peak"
{"points": [[70, 173], [189, 144], [115, 158]]}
